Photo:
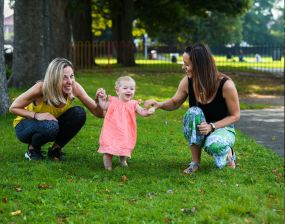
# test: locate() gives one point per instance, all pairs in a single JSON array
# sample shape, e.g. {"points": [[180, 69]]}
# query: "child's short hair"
{"points": [[124, 79]]}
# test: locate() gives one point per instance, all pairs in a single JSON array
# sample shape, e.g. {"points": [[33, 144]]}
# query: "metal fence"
{"points": [[104, 55]]}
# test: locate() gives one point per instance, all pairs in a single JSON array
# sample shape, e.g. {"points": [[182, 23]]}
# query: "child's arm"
{"points": [[103, 103], [145, 112]]}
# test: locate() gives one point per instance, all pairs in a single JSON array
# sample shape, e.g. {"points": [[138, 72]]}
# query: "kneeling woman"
{"points": [[214, 108], [45, 111]]}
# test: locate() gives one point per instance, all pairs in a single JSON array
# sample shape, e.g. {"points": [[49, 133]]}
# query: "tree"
{"points": [[4, 98], [260, 26], [81, 31], [210, 29], [161, 15], [44, 35]]}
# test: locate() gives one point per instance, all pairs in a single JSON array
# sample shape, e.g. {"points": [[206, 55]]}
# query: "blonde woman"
{"points": [[45, 112]]}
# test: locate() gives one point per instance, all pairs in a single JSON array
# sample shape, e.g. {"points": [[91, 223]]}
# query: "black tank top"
{"points": [[216, 109]]}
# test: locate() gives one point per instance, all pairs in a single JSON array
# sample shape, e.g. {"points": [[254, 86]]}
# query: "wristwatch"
{"points": [[213, 126]]}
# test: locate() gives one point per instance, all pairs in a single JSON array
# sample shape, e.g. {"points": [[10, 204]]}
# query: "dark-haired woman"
{"points": [[214, 108]]}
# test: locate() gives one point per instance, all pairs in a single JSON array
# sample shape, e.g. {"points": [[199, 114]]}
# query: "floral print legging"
{"points": [[216, 144]]}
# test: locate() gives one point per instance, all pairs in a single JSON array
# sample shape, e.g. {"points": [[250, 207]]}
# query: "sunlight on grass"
{"points": [[153, 188]]}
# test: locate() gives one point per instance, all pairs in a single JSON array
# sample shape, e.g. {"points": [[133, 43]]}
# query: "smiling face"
{"points": [[187, 65], [126, 90], [68, 80]]}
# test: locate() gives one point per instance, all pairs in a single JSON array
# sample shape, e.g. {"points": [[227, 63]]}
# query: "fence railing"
{"points": [[105, 55]]}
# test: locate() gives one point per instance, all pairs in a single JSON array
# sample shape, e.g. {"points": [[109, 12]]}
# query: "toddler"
{"points": [[118, 134]]}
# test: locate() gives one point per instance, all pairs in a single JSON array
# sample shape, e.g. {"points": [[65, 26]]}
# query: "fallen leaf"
{"points": [[5, 200], [18, 189], [247, 220], [274, 138], [202, 191], [167, 220], [124, 178], [132, 201], [18, 212], [43, 186]]}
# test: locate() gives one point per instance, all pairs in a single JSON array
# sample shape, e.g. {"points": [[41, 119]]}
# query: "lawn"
{"points": [[153, 189]]}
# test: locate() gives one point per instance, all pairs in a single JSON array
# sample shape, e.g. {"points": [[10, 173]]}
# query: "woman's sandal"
{"points": [[193, 167], [232, 159]]}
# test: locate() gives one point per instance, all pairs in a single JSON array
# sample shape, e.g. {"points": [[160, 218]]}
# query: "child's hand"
{"points": [[100, 93], [151, 110]]}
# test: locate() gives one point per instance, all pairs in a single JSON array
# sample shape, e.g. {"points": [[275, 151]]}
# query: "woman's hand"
{"points": [[151, 103], [204, 128], [44, 116]]}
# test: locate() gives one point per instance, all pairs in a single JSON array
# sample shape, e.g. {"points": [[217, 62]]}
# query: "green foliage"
{"points": [[210, 29], [177, 21], [260, 26], [101, 22], [79, 190]]}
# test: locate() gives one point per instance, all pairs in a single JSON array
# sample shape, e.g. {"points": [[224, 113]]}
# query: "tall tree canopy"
{"points": [[260, 26], [167, 16], [4, 98]]}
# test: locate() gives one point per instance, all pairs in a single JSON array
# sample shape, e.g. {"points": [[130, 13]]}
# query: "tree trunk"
{"points": [[29, 42], [81, 29], [41, 34], [4, 98], [122, 13], [59, 31]]}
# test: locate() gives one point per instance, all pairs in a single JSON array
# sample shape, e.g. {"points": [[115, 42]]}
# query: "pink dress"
{"points": [[119, 131]]}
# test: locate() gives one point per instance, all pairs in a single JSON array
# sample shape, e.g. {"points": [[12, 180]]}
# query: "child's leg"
{"points": [[107, 159], [123, 161]]}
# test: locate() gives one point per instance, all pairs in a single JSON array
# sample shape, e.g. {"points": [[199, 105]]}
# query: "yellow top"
{"points": [[43, 108]]}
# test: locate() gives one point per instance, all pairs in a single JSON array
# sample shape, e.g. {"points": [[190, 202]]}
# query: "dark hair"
{"points": [[204, 71]]}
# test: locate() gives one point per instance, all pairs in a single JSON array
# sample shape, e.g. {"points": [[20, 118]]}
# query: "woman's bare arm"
{"points": [[92, 106], [176, 101]]}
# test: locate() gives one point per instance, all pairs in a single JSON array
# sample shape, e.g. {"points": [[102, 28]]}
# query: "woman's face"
{"points": [[68, 80], [187, 65]]}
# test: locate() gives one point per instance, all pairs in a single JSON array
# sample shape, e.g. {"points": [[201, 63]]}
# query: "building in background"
{"points": [[9, 29]]}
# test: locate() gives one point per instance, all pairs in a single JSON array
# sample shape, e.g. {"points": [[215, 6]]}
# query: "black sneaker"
{"points": [[34, 154], [55, 154]]}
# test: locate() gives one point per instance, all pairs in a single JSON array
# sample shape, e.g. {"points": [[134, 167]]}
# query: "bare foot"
{"points": [[231, 161], [123, 161]]}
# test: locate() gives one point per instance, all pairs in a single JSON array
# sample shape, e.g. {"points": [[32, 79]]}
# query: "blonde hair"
{"points": [[123, 79], [52, 86]]}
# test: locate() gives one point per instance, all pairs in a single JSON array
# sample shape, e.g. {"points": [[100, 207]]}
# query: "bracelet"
{"points": [[213, 126], [35, 115]]}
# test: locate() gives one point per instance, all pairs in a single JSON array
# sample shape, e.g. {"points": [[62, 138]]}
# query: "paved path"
{"points": [[266, 126]]}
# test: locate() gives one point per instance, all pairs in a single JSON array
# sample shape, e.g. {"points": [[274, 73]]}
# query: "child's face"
{"points": [[126, 90]]}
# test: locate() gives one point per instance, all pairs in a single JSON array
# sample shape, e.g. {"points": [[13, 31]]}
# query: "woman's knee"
{"points": [[50, 128], [216, 145], [77, 114]]}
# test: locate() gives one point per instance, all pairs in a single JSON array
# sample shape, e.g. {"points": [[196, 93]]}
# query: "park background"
{"points": [[144, 39]]}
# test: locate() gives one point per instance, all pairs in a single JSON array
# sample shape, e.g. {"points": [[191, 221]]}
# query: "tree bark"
{"points": [[41, 34], [28, 55], [4, 97], [81, 34], [122, 14]]}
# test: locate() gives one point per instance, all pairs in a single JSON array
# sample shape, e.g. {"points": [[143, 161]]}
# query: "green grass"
{"points": [[79, 190], [221, 62]]}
